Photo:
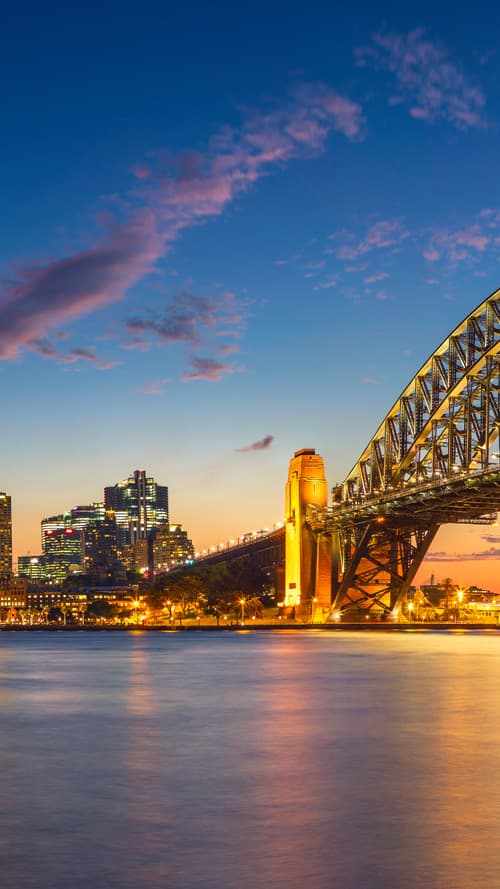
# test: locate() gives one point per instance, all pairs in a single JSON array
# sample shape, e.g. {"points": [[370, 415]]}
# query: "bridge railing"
{"points": [[388, 495], [242, 542]]}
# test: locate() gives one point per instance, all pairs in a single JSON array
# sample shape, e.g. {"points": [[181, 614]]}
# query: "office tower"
{"points": [[31, 567], [140, 505], [100, 546], [54, 523], [63, 552], [5, 534], [82, 516]]}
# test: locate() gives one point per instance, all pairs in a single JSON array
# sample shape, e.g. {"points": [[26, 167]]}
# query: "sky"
{"points": [[230, 233]]}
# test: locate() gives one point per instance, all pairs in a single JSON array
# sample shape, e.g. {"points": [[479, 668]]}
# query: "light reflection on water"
{"points": [[236, 761]]}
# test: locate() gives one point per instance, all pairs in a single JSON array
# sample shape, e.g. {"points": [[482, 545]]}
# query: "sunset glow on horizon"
{"points": [[213, 258]]}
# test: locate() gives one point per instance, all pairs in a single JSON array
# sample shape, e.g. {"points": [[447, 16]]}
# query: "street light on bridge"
{"points": [[242, 603]]}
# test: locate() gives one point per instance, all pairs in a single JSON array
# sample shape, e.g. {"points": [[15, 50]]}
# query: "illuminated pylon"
{"points": [[308, 574]]}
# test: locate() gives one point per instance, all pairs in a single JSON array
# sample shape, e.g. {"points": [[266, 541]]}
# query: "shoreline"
{"points": [[265, 627]]}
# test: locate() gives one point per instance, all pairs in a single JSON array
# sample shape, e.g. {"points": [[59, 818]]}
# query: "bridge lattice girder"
{"points": [[446, 420], [434, 459]]}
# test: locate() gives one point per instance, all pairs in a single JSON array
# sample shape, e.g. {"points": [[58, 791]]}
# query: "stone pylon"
{"points": [[308, 554]]}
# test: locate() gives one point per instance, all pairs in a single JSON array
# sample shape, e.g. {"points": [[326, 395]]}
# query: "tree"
{"points": [[449, 589]]}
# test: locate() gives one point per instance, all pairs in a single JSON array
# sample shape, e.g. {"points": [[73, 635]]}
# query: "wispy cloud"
{"points": [[372, 279], [168, 199], [207, 369], [262, 445], [481, 556], [461, 245], [426, 78], [156, 387], [381, 235], [180, 321], [44, 298], [47, 350]]}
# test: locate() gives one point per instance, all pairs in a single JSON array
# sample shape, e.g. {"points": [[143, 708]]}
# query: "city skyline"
{"points": [[204, 280]]}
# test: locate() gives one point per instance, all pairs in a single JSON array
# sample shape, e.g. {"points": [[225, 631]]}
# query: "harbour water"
{"points": [[250, 760]]}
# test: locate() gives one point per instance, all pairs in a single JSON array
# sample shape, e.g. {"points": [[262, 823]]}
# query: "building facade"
{"points": [[5, 533], [140, 505], [63, 553], [171, 548]]}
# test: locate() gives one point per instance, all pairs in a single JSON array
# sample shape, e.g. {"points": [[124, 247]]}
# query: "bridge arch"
{"points": [[447, 418], [434, 459]]}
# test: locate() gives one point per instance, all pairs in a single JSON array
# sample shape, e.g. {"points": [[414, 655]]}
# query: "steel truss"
{"points": [[435, 458], [447, 419], [377, 564]]}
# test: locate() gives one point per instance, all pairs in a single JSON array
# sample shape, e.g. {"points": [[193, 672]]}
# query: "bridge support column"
{"points": [[308, 555]]}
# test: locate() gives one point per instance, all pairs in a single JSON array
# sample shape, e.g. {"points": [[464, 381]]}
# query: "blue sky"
{"points": [[227, 226]]}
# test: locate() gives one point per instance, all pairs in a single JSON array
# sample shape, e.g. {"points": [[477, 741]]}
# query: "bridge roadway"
{"points": [[267, 551]]}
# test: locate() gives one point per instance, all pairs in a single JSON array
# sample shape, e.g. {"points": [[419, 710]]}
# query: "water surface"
{"points": [[300, 760]]}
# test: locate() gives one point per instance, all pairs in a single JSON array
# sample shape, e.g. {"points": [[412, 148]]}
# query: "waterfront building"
{"points": [[171, 547], [13, 591], [41, 599], [5, 533]]}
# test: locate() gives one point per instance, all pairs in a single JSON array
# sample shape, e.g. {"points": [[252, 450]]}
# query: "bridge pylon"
{"points": [[308, 571]]}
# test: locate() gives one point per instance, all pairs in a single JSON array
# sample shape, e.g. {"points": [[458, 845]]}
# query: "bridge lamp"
{"points": [[410, 609], [242, 603], [336, 615], [460, 596]]}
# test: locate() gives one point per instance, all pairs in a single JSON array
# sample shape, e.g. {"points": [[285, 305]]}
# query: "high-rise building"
{"points": [[140, 505], [82, 516], [62, 553], [171, 547], [54, 523], [5, 534], [100, 545], [31, 567]]}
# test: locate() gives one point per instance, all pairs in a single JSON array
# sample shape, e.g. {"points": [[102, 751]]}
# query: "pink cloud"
{"points": [[431, 254], [62, 291], [141, 171], [156, 387], [372, 279], [381, 235], [207, 369], [199, 187], [457, 246], [427, 77], [47, 350]]}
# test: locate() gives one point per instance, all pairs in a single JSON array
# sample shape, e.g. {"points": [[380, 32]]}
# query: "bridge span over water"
{"points": [[434, 459]]}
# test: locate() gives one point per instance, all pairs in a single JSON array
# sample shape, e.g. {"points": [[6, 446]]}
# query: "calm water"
{"points": [[249, 761]]}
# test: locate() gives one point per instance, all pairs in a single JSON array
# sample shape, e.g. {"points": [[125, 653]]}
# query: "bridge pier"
{"points": [[308, 571]]}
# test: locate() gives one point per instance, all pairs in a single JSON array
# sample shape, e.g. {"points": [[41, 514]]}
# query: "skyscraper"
{"points": [[140, 506], [63, 551], [5, 534]]}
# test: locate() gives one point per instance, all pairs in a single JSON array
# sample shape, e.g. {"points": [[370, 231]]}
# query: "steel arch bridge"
{"points": [[434, 459]]}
